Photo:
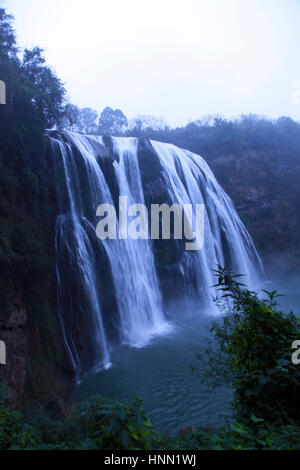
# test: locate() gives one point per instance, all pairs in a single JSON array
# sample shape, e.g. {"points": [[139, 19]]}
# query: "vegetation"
{"points": [[35, 101], [98, 423], [253, 342]]}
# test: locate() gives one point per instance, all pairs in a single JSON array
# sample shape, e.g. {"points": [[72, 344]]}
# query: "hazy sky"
{"points": [[180, 59]]}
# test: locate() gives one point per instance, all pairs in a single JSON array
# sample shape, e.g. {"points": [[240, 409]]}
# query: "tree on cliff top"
{"points": [[8, 49], [112, 121], [35, 96]]}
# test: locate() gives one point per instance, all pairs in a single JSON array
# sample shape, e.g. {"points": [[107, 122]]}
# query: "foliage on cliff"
{"points": [[35, 100]]}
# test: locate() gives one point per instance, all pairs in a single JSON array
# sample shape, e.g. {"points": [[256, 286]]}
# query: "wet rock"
{"points": [[12, 332]]}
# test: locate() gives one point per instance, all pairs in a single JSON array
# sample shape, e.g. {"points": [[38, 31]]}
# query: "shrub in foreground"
{"points": [[253, 349]]}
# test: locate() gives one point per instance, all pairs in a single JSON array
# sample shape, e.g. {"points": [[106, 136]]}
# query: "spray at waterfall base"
{"points": [[160, 220]]}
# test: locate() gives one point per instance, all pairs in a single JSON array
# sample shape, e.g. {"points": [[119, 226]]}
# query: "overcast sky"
{"points": [[180, 59]]}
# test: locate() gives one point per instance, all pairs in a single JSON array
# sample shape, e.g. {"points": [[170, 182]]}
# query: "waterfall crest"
{"points": [[117, 291]]}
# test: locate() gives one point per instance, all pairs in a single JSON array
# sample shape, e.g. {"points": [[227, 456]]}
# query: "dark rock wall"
{"points": [[36, 364]]}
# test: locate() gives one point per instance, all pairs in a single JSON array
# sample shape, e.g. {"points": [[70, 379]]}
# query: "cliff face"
{"points": [[266, 193], [37, 368], [13, 333]]}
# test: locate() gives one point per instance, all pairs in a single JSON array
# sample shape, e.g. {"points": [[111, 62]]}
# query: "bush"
{"points": [[97, 423], [14, 432], [113, 425], [254, 340], [240, 437]]}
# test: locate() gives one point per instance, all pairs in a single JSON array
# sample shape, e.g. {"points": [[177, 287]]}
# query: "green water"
{"points": [[160, 374]]}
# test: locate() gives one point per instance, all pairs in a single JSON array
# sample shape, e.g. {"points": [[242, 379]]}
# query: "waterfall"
{"points": [[117, 291]]}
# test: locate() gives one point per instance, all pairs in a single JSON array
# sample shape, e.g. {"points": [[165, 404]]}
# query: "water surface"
{"points": [[160, 374]]}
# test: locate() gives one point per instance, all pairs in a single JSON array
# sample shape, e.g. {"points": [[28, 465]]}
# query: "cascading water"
{"points": [[117, 291]]}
